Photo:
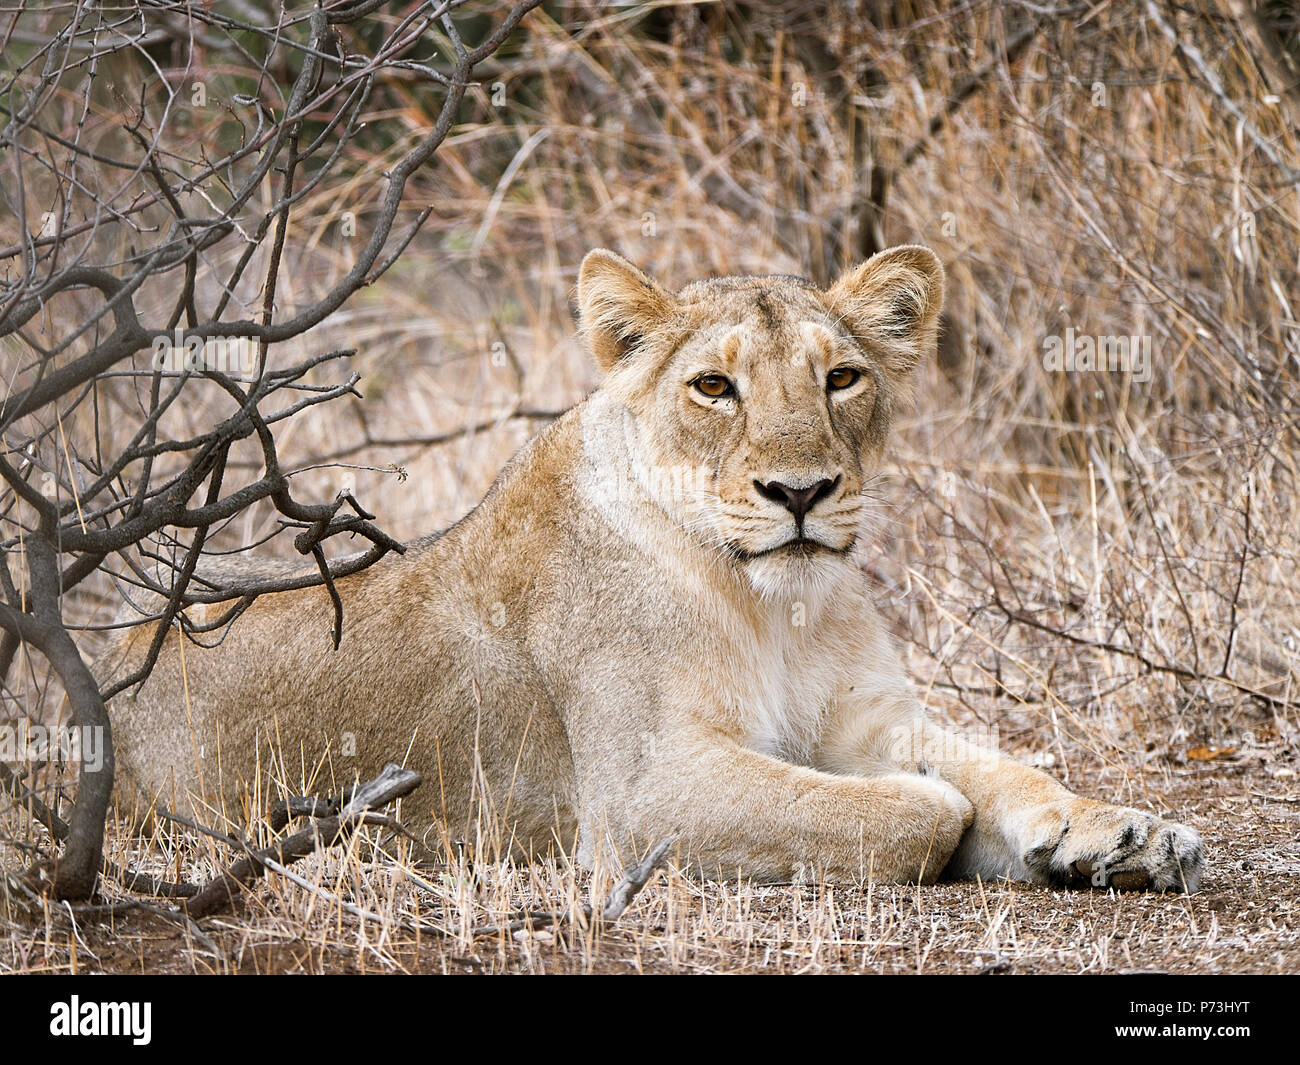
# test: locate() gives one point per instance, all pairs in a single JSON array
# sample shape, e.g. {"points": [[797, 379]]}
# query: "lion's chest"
{"points": [[780, 689]]}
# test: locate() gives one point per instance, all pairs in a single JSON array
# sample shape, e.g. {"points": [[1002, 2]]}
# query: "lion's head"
{"points": [[761, 405]]}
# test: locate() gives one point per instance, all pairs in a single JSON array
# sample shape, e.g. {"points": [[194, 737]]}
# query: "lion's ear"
{"points": [[619, 305], [891, 304]]}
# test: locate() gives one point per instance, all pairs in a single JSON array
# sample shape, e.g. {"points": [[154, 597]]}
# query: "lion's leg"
{"points": [[734, 811], [1026, 825]]}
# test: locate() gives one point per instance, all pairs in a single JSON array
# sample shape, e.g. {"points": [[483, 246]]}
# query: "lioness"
{"points": [[653, 626]]}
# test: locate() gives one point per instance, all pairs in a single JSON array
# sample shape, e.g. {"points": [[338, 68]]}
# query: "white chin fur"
{"points": [[797, 578]]}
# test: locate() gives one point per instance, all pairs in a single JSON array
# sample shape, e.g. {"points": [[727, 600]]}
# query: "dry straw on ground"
{"points": [[1100, 570]]}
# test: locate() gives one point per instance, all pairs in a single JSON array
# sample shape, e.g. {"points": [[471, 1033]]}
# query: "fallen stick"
{"points": [[393, 783], [634, 878]]}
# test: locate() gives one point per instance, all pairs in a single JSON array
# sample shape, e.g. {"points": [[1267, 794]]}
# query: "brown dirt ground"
{"points": [[1243, 920]]}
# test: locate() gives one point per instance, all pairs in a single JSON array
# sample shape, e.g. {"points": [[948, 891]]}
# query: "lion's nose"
{"points": [[798, 501]]}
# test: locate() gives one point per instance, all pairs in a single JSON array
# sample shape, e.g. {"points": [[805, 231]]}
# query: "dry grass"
{"points": [[1100, 569], [422, 918]]}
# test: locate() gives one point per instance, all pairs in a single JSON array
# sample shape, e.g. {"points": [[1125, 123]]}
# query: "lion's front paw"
{"points": [[1080, 841]]}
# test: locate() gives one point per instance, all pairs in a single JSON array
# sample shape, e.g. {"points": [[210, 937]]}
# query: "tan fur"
{"points": [[622, 642]]}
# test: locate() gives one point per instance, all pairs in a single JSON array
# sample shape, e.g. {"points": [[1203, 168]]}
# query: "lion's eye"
{"points": [[715, 386], [841, 378]]}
